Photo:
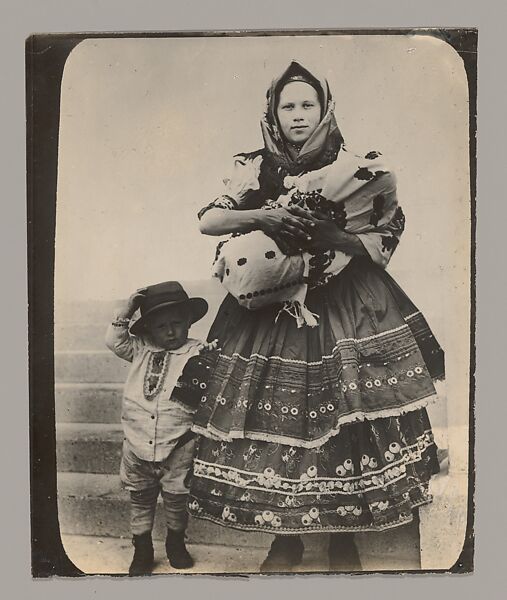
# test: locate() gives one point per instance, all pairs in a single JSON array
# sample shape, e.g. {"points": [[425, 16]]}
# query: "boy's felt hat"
{"points": [[162, 295]]}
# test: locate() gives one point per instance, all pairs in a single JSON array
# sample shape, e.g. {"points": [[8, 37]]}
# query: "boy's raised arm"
{"points": [[118, 338]]}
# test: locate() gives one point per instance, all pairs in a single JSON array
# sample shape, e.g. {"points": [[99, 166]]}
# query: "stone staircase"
{"points": [[91, 503]]}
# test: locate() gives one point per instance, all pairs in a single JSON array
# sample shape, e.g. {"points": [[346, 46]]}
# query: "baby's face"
{"points": [[168, 328]]}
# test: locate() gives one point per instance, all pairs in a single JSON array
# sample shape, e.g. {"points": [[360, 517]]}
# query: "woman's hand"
{"points": [[326, 235], [280, 224]]}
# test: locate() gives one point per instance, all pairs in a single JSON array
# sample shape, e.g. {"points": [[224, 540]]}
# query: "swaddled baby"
{"points": [[356, 192]]}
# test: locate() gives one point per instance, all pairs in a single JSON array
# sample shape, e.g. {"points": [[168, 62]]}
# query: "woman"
{"points": [[314, 429]]}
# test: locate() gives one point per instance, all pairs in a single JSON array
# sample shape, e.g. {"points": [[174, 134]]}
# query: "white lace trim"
{"points": [[413, 315], [215, 434]]}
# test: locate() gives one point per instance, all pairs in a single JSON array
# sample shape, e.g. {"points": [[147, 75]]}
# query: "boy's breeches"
{"points": [[145, 480]]}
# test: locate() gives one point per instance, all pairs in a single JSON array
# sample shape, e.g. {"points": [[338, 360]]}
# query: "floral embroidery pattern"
{"points": [[346, 482], [155, 374], [390, 472], [315, 201]]}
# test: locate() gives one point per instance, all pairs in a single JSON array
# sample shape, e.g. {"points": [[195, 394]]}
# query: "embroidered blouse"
{"points": [[361, 178]]}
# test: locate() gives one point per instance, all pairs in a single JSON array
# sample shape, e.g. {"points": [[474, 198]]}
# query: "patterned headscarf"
{"points": [[322, 146]]}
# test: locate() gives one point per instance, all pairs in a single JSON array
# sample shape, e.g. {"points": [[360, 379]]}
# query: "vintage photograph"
{"points": [[262, 303]]}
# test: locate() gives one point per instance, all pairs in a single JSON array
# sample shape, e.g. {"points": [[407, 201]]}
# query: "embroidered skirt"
{"points": [[319, 429]]}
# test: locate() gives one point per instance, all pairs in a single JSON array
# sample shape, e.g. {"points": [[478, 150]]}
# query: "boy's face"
{"points": [[168, 327]]}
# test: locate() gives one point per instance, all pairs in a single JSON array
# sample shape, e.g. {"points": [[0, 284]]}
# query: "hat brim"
{"points": [[198, 308]]}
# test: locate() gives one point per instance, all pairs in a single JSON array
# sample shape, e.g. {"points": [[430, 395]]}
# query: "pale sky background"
{"points": [[149, 126]]}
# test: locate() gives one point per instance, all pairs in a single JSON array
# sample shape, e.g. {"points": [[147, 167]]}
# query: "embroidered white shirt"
{"points": [[151, 424]]}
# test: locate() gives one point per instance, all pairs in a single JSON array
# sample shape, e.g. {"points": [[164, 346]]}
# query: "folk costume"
{"points": [[318, 429]]}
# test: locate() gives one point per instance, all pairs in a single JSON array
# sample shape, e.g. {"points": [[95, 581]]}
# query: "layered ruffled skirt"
{"points": [[319, 429]]}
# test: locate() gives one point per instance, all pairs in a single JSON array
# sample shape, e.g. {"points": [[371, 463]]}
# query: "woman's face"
{"points": [[298, 111]]}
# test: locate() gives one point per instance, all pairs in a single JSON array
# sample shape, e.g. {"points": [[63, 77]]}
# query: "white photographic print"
{"points": [[262, 304]]}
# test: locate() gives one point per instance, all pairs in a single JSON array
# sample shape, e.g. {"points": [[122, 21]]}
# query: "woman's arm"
{"points": [[275, 223], [349, 243], [219, 221]]}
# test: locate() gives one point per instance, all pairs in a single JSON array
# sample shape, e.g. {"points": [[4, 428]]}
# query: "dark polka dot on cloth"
{"points": [[373, 155], [363, 174], [268, 291], [255, 294], [249, 295], [241, 261], [270, 254], [242, 296]]}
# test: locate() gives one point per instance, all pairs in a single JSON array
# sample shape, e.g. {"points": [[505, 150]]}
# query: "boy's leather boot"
{"points": [[286, 552], [177, 553], [142, 563]]}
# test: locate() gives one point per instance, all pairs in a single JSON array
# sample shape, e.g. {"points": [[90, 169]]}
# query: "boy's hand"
{"points": [[132, 304]]}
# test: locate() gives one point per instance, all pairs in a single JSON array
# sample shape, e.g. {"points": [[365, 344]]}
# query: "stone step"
{"points": [[96, 366], [101, 403], [96, 447], [80, 336], [88, 447], [81, 325], [88, 402], [89, 310], [91, 336], [95, 505]]}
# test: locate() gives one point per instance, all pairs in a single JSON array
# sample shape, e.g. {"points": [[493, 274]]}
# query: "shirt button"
{"points": [[152, 416], [150, 442]]}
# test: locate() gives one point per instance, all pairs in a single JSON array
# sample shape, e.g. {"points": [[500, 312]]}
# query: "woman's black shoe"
{"points": [[343, 554], [286, 552], [142, 563], [177, 553]]}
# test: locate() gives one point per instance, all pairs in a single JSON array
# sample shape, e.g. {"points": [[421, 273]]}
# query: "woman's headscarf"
{"points": [[323, 145]]}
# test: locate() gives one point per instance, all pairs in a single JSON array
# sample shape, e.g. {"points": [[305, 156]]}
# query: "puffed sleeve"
{"points": [[243, 180], [373, 212], [193, 382], [382, 241]]}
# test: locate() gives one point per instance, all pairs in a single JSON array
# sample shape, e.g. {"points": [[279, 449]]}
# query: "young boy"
{"points": [[165, 382]]}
